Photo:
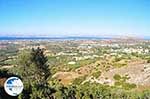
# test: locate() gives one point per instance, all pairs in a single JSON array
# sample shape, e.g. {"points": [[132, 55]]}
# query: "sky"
{"points": [[74, 18]]}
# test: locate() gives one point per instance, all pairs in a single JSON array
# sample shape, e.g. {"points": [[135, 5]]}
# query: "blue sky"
{"points": [[75, 17]]}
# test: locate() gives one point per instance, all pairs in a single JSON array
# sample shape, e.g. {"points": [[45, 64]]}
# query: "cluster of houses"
{"points": [[131, 50]]}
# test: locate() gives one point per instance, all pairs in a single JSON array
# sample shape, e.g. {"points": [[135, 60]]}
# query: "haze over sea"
{"points": [[53, 38], [66, 38]]}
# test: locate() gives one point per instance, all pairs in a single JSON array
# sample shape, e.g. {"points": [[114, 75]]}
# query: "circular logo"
{"points": [[13, 86]]}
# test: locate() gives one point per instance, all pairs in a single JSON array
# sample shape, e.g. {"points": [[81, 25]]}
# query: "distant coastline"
{"points": [[53, 38], [63, 38]]}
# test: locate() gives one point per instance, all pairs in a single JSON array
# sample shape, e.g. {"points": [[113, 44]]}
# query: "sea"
{"points": [[53, 38]]}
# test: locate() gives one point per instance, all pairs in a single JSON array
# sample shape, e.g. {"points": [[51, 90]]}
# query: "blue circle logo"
{"points": [[13, 86]]}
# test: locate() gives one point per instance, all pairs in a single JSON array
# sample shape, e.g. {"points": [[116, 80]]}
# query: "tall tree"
{"points": [[34, 70], [40, 61]]}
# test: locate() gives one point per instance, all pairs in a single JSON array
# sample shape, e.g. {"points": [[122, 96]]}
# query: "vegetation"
{"points": [[121, 82], [36, 69], [96, 74]]}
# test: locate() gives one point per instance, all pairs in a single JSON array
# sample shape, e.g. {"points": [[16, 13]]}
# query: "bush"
{"points": [[117, 77], [96, 74], [128, 86]]}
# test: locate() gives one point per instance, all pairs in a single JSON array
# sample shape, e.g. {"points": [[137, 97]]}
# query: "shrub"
{"points": [[117, 77]]}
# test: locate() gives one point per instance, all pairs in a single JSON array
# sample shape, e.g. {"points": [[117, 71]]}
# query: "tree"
{"points": [[34, 70], [40, 61]]}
